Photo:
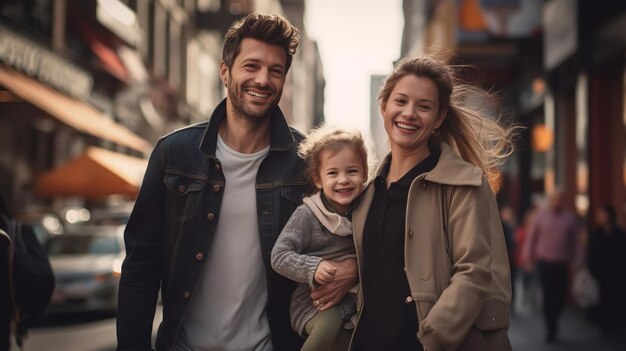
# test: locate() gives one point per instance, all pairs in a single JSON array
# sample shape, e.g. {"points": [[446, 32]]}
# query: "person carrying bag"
{"points": [[27, 279]]}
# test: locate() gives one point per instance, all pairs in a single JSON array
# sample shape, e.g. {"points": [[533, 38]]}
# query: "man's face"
{"points": [[255, 82]]}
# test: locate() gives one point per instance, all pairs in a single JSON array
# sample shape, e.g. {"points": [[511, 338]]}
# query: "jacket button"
{"points": [[199, 256], [218, 167], [424, 185], [186, 295], [210, 216], [181, 188], [410, 233], [216, 188], [408, 300]]}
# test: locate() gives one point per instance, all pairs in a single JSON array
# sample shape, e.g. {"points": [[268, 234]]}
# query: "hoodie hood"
{"points": [[335, 223]]}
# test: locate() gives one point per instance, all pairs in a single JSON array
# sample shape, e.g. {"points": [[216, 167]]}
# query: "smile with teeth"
{"points": [[343, 190], [257, 94], [405, 126]]}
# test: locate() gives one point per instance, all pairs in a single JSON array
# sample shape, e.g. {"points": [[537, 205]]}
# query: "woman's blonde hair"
{"points": [[333, 139], [472, 122]]}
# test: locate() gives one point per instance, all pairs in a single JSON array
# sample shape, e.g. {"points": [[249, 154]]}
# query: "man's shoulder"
{"points": [[186, 130], [185, 134]]}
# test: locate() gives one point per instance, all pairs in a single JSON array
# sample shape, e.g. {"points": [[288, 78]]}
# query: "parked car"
{"points": [[86, 261], [117, 214], [45, 223]]}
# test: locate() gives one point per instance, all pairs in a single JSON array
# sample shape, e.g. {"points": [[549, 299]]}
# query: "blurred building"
{"points": [[87, 86], [379, 145], [558, 68]]}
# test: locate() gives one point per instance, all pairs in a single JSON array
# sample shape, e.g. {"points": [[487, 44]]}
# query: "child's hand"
{"points": [[325, 272]]}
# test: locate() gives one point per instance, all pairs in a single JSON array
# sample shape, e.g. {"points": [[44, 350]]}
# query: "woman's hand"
{"points": [[331, 293]]}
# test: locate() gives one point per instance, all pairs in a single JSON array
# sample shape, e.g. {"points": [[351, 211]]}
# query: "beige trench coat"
{"points": [[462, 297]]}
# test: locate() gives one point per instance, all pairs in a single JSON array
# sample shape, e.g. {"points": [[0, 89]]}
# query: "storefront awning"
{"points": [[94, 175], [70, 111]]}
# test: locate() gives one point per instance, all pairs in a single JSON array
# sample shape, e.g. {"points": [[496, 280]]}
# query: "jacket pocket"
{"points": [[183, 195], [292, 194], [291, 197]]}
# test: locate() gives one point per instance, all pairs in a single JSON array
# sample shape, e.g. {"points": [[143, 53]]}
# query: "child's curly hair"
{"points": [[333, 139]]}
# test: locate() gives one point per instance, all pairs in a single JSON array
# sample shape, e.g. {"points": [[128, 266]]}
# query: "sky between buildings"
{"points": [[356, 38]]}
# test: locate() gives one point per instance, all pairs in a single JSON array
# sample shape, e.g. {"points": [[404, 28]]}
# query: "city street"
{"points": [[77, 333], [526, 334], [201, 124]]}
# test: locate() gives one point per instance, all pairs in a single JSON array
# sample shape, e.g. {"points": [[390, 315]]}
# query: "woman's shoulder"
{"points": [[451, 169]]}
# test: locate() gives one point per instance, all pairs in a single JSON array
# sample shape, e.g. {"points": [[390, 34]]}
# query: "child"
{"points": [[320, 230]]}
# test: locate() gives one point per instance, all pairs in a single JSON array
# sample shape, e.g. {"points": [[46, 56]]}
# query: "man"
{"points": [[552, 243], [213, 201]]}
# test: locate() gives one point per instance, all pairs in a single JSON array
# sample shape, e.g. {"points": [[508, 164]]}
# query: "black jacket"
{"points": [[181, 197]]}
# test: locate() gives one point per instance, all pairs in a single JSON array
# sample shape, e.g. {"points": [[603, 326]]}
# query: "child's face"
{"points": [[341, 177]]}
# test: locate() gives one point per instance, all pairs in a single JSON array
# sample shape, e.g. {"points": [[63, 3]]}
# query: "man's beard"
{"points": [[242, 110]]}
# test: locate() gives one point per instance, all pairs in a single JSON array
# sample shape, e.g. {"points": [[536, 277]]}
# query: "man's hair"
{"points": [[272, 29]]}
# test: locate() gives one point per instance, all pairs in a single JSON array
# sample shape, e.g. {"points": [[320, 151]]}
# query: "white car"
{"points": [[87, 263]]}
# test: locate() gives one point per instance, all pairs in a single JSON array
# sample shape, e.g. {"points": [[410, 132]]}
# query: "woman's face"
{"points": [[412, 113]]}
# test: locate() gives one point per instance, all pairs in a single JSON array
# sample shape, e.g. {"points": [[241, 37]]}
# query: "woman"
{"points": [[432, 258], [607, 244]]}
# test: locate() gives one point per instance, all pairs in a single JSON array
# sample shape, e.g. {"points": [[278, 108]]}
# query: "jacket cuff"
{"points": [[312, 262]]}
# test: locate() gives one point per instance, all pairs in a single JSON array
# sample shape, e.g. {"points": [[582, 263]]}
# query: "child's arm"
{"points": [[287, 258]]}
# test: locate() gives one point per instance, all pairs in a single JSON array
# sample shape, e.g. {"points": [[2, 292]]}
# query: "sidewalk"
{"points": [[575, 333]]}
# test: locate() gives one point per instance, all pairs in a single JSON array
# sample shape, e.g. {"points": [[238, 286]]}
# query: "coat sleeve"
{"points": [[141, 278], [473, 216], [288, 258]]}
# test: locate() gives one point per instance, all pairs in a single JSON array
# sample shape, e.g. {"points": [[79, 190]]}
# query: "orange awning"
{"points": [[70, 111], [94, 175]]}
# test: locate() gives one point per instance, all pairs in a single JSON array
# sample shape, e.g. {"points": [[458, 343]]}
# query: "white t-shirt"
{"points": [[227, 311]]}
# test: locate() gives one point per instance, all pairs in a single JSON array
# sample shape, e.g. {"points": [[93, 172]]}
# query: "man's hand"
{"points": [[330, 294], [325, 272]]}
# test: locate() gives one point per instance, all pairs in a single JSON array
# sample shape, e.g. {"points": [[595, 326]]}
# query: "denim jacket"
{"points": [[173, 223]]}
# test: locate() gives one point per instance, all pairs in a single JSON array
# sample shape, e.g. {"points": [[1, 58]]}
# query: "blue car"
{"points": [[86, 262]]}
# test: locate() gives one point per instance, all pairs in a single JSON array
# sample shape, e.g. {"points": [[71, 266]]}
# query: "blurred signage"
{"points": [[532, 95], [481, 20], [119, 19], [38, 62], [560, 31], [542, 138]]}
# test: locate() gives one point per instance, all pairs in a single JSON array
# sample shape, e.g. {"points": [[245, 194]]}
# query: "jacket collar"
{"points": [[280, 134], [450, 170]]}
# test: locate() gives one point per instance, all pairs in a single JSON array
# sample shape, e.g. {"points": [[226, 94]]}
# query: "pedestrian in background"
{"points": [[320, 230], [605, 259], [552, 246], [433, 264], [214, 199], [528, 291], [26, 279], [6, 303]]}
